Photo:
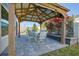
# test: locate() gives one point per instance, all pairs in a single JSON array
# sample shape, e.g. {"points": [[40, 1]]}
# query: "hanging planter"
{"points": [[57, 20], [54, 23], [49, 26], [58, 26]]}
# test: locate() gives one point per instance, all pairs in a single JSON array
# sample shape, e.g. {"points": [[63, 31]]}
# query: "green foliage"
{"points": [[70, 27], [44, 25], [34, 28], [27, 30], [52, 27]]}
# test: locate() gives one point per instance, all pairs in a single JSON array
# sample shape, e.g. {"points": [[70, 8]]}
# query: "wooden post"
{"points": [[63, 35], [0, 20], [12, 30], [19, 30], [16, 28], [40, 26]]}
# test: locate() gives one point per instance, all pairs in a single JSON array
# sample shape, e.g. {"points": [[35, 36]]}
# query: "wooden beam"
{"points": [[21, 9], [43, 12], [28, 9], [19, 16], [28, 13], [63, 35], [30, 20], [32, 16], [52, 7], [12, 30], [24, 8], [38, 17], [20, 12]]}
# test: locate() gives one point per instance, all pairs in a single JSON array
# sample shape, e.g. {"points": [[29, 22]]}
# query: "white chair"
{"points": [[42, 35], [32, 36]]}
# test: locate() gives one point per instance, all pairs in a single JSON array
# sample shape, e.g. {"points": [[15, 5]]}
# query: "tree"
{"points": [[44, 25], [69, 26], [27, 30], [49, 26], [34, 28], [54, 24]]}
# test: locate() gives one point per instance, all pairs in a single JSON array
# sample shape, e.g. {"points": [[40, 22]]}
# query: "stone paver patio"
{"points": [[26, 47]]}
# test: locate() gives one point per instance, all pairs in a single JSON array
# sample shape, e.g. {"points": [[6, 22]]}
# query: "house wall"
{"points": [[0, 27], [3, 43], [76, 28], [4, 39]]}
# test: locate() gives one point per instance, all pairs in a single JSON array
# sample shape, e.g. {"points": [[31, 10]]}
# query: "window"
{"points": [[4, 21], [4, 28], [4, 13]]}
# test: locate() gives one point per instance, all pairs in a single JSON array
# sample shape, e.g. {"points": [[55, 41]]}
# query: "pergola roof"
{"points": [[34, 12]]}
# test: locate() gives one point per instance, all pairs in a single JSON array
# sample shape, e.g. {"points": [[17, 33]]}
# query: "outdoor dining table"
{"points": [[33, 36], [37, 36]]}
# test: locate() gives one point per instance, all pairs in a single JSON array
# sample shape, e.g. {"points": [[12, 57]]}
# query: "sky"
{"points": [[73, 7], [29, 24]]}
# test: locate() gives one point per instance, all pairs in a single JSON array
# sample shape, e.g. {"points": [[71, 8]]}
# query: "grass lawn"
{"points": [[67, 51]]}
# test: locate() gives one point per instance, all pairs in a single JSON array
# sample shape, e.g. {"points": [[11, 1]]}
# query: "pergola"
{"points": [[35, 12]]}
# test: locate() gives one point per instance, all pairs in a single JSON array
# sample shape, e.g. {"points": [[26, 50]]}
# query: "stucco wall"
{"points": [[3, 43]]}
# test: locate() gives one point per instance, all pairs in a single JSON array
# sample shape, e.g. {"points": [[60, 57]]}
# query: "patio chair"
{"points": [[32, 36], [42, 36]]}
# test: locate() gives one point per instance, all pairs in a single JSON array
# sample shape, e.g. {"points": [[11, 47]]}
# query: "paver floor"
{"points": [[26, 47]]}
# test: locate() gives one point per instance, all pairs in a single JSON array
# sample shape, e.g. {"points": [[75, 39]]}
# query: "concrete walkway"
{"points": [[26, 47]]}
